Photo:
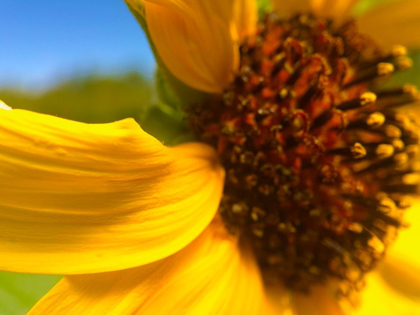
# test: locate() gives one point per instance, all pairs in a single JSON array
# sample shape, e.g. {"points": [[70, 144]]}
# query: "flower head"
{"points": [[295, 197]]}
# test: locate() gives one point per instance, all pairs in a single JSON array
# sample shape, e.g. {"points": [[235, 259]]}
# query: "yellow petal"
{"points": [[401, 269], [292, 7], [402, 276], [246, 17], [338, 10], [279, 300], [209, 276], [321, 300], [3, 105], [396, 22], [378, 298], [80, 198], [197, 40], [406, 245]]}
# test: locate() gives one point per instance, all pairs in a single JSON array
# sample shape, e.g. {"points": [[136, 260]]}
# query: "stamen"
{"points": [[375, 120], [385, 68], [372, 121], [322, 119], [405, 90], [366, 98], [403, 62], [398, 51], [385, 151], [356, 151], [382, 69]]}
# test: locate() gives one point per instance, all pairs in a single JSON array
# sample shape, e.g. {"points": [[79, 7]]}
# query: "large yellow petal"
{"points": [[379, 298], [3, 105], [246, 17], [285, 6], [292, 7], [396, 22], [338, 10], [80, 198], [406, 245], [196, 39], [401, 269], [209, 276], [402, 276]]}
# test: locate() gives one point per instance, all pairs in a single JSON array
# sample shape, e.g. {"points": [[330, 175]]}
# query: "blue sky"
{"points": [[45, 41]]}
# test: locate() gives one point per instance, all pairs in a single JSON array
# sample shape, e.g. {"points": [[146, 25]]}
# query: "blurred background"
{"points": [[47, 41], [74, 58], [87, 61]]}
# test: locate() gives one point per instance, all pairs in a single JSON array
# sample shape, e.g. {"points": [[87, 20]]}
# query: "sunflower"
{"points": [[289, 203]]}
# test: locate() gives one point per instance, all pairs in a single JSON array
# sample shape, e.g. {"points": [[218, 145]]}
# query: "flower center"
{"points": [[318, 161]]}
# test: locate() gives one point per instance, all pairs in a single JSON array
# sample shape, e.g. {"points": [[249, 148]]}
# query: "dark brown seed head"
{"points": [[315, 154]]}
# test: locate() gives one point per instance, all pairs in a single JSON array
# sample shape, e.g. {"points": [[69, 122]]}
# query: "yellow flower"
{"points": [[137, 227]]}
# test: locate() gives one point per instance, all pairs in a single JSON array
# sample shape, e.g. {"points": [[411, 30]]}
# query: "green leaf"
{"points": [[167, 125], [165, 91], [363, 6], [411, 75], [264, 6], [19, 292]]}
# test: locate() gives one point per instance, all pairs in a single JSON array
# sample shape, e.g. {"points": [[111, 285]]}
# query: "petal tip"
{"points": [[4, 106]]}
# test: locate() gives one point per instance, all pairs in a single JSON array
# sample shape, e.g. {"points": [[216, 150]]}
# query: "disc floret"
{"points": [[316, 154]]}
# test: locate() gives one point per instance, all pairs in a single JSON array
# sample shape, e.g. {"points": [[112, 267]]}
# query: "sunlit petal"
{"points": [[3, 105], [379, 298], [80, 198], [401, 269], [292, 7], [396, 22], [209, 276], [246, 17], [197, 40], [337, 10]]}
